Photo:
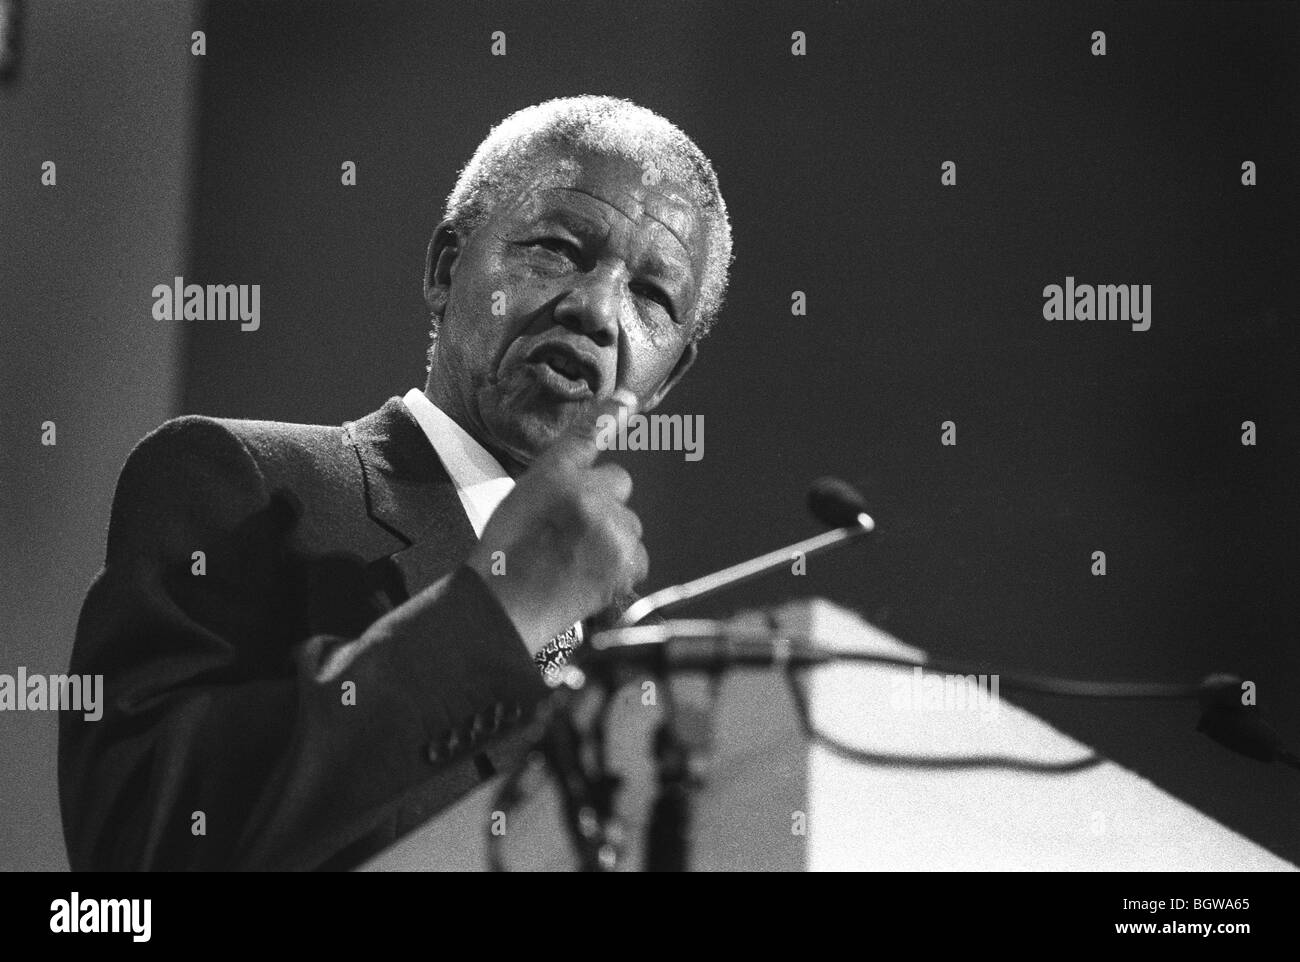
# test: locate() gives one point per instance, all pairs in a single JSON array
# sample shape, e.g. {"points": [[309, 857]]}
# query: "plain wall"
{"points": [[105, 90]]}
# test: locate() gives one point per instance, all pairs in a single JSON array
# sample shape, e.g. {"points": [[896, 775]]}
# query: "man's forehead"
{"points": [[613, 189]]}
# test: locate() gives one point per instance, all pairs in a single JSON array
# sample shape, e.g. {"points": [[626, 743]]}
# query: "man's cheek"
{"points": [[650, 361], [522, 300]]}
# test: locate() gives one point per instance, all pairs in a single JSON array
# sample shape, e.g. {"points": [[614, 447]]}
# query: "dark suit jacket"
{"points": [[333, 556]]}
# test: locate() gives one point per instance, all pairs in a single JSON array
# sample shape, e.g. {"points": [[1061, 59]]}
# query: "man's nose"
{"points": [[593, 306]]}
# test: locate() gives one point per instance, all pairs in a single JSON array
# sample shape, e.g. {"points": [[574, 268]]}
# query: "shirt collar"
{"points": [[480, 481]]}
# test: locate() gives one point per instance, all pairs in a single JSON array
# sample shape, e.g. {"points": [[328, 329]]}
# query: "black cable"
{"points": [[948, 762], [723, 653]]}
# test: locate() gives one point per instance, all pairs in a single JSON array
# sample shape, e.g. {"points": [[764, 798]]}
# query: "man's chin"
{"points": [[527, 434]]}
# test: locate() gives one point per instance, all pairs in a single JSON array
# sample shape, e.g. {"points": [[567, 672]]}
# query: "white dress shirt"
{"points": [[481, 482]]}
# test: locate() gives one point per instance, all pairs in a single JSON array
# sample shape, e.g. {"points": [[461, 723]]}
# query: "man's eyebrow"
{"points": [[574, 220], [670, 269]]}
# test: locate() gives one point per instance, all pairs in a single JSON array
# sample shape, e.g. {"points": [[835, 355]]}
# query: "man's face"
{"points": [[584, 282]]}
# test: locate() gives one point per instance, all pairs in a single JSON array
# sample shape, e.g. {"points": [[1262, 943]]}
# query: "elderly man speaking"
{"points": [[313, 638]]}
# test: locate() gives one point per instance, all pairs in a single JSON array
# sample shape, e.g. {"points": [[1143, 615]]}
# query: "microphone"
{"points": [[832, 501], [1238, 727], [837, 504]]}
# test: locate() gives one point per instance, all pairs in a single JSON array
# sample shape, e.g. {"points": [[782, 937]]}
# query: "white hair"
{"points": [[607, 126]]}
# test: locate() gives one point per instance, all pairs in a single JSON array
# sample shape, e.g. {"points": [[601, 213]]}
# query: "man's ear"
{"points": [[680, 368], [444, 248]]}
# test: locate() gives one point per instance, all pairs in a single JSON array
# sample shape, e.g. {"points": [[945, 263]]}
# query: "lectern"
{"points": [[770, 801]]}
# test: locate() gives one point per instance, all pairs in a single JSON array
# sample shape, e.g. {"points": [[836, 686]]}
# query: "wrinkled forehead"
{"points": [[613, 191]]}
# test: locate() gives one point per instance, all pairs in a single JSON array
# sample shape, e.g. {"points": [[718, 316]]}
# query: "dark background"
{"points": [[924, 305]]}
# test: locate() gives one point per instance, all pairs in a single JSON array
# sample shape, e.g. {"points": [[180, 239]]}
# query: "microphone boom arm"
{"points": [[738, 573]]}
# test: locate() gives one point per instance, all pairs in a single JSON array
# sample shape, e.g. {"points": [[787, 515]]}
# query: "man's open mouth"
{"points": [[565, 371]]}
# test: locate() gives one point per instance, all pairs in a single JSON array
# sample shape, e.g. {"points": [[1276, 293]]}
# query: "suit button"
{"points": [[478, 728], [453, 743], [434, 753], [514, 712], [498, 715]]}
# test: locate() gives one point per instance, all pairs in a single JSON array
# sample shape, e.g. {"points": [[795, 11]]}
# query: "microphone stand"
{"points": [[680, 759], [587, 789], [670, 819]]}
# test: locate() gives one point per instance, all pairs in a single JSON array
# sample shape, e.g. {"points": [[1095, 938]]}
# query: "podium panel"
{"points": [[771, 802], [750, 815]]}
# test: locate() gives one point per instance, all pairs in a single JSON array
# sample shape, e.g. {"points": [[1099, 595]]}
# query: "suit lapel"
{"points": [[410, 495]]}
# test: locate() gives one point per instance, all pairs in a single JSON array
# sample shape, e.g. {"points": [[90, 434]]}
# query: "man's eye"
{"points": [[650, 292], [556, 245]]}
